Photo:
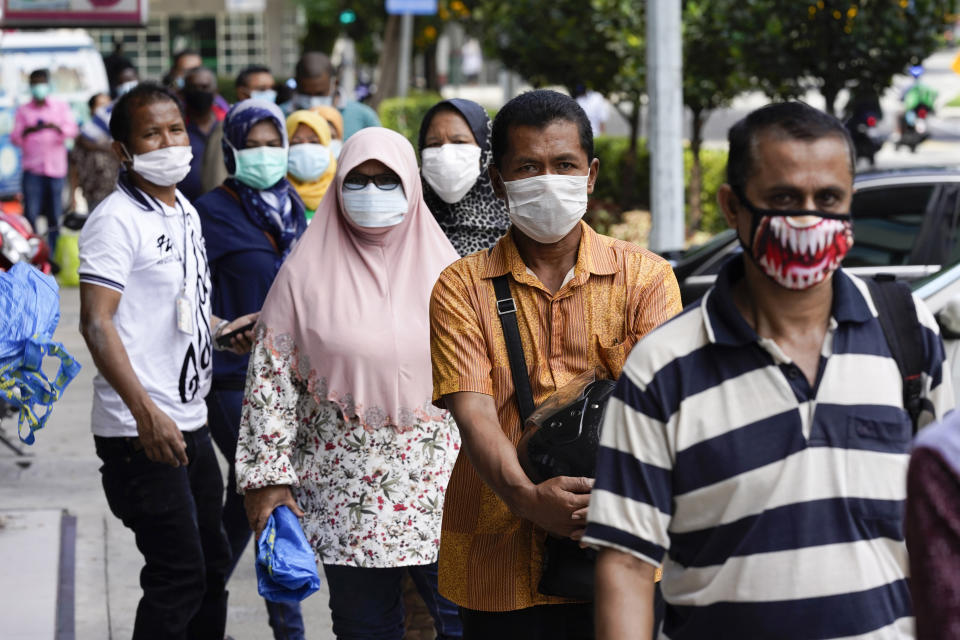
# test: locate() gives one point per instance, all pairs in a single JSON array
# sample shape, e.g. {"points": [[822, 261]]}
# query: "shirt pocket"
{"points": [[611, 354], [876, 457]]}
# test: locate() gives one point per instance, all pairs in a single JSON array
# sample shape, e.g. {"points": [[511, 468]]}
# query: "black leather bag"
{"points": [[560, 438]]}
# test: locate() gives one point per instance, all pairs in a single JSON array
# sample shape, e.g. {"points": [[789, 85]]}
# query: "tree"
{"points": [[377, 35], [597, 44], [712, 77], [832, 45]]}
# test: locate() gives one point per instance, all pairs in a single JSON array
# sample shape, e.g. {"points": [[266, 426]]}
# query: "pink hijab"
{"points": [[351, 304]]}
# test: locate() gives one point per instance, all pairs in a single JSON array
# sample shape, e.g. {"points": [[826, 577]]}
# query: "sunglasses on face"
{"points": [[383, 181]]}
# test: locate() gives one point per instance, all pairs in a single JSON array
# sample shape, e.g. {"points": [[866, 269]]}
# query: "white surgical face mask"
{"points": [[309, 102], [546, 208], [335, 147], [308, 161], [374, 207], [163, 167], [267, 94], [451, 170]]}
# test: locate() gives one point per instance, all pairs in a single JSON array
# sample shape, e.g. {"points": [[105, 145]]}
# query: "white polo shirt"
{"points": [[150, 252]]}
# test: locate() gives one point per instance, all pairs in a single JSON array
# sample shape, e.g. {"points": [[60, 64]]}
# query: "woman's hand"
{"points": [[260, 503]]}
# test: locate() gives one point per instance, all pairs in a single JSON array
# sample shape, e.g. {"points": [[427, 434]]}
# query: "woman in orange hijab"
{"points": [[310, 165]]}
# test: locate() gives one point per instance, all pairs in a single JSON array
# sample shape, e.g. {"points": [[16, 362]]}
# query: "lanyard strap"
{"points": [[183, 219]]}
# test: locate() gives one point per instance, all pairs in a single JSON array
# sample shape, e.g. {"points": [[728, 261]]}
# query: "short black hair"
{"points": [[538, 109], [143, 93], [314, 64], [184, 52], [93, 100], [244, 75], [39, 75], [119, 67], [795, 120]]}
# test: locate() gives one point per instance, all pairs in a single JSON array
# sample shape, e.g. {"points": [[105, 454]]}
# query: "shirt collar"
{"points": [[594, 256], [726, 325]]}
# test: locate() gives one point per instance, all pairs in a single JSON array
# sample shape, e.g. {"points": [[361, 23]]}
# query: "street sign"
{"points": [[412, 7]]}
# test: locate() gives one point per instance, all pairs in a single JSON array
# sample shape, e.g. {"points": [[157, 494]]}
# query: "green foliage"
{"points": [[713, 163], [712, 67], [833, 45], [366, 29], [406, 114], [549, 42], [227, 87], [612, 150], [324, 26]]}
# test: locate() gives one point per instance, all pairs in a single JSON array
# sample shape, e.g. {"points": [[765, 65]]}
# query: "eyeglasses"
{"points": [[384, 181]]}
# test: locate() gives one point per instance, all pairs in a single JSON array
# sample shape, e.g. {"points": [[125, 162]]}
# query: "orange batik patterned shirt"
{"points": [[490, 560]]}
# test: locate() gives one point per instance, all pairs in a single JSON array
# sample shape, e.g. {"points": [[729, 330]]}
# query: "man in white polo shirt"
{"points": [[757, 444], [145, 315]]}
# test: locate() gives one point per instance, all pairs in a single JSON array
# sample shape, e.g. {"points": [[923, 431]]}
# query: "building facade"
{"points": [[228, 34]]}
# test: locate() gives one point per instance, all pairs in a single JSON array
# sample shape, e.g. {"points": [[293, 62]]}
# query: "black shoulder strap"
{"points": [[507, 310], [901, 327]]}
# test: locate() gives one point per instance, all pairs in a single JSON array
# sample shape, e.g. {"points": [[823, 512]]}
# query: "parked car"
{"points": [[76, 73], [906, 223]]}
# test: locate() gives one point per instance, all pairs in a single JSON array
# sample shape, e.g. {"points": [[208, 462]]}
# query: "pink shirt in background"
{"points": [[44, 151]]}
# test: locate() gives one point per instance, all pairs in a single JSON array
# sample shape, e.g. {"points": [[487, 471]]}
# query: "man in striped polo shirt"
{"points": [[757, 444]]}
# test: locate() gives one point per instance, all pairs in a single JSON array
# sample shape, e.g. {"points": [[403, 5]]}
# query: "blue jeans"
{"points": [[223, 415], [174, 513], [367, 604], [43, 195]]}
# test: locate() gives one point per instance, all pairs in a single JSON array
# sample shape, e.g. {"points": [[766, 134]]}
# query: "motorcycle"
{"points": [[914, 128], [18, 243], [918, 103], [867, 141]]}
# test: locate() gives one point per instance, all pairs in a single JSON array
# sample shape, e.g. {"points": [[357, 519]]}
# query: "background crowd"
{"points": [[287, 282]]}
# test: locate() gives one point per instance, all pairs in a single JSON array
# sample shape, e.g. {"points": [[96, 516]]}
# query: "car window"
{"points": [[887, 223]]}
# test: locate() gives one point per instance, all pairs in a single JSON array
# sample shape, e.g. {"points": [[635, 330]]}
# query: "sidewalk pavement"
{"points": [[63, 475]]}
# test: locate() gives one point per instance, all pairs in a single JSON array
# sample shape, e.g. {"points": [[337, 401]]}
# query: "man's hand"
{"points": [[243, 342], [161, 438], [558, 505], [260, 503]]}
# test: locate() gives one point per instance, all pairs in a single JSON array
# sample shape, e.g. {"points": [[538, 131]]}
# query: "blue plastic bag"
{"points": [[29, 313], [286, 565]]}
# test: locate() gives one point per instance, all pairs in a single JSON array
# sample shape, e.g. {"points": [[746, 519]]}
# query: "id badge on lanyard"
{"points": [[185, 315], [184, 312]]}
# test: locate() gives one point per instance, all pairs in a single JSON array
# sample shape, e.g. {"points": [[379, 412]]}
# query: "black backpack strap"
{"points": [[901, 327], [507, 310]]}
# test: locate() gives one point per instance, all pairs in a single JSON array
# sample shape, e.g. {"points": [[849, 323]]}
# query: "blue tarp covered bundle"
{"points": [[29, 313]]}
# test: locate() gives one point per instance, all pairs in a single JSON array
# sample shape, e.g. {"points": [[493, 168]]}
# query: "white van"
{"points": [[76, 73]]}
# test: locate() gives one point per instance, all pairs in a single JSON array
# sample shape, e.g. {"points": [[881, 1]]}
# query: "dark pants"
{"points": [[43, 195], [545, 622], [223, 411], [367, 604], [175, 515]]}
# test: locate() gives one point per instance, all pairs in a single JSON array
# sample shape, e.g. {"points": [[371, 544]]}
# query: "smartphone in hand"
{"points": [[226, 339]]}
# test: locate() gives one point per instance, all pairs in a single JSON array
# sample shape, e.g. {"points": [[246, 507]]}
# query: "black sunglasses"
{"points": [[384, 181]]}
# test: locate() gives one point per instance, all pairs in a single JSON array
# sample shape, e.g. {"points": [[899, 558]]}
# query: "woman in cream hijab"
{"points": [[311, 165]]}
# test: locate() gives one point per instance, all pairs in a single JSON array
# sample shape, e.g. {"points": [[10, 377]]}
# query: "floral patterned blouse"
{"points": [[372, 498]]}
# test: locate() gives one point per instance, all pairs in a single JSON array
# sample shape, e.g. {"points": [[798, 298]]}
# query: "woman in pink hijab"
{"points": [[337, 420]]}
